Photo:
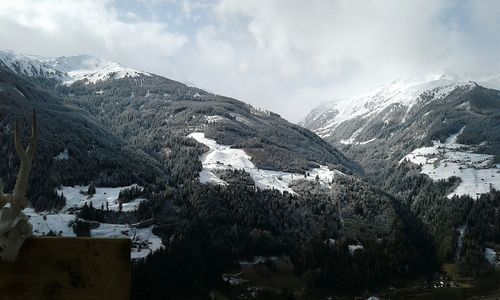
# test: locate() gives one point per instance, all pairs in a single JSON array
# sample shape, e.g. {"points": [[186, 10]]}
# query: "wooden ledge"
{"points": [[57, 268]]}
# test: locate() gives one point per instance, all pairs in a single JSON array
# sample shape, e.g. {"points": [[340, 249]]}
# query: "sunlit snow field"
{"points": [[59, 223], [444, 160], [223, 157]]}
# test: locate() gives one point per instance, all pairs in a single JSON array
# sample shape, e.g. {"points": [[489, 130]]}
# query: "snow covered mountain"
{"points": [[27, 65], [90, 69], [412, 118], [67, 69], [154, 114], [391, 101]]}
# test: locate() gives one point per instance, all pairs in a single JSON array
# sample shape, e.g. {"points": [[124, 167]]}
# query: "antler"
{"points": [[18, 199], [3, 197], [14, 225]]}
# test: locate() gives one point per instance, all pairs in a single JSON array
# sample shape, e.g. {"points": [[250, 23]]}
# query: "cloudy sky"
{"points": [[283, 55]]}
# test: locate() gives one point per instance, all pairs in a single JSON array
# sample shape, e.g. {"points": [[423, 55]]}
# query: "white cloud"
{"points": [[342, 47], [53, 27]]}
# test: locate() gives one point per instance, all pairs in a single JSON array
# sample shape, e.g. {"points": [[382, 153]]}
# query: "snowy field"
{"points": [[444, 160], [143, 239], [103, 195], [223, 157]]}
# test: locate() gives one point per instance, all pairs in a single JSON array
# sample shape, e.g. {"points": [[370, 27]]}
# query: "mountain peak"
{"points": [[67, 69], [404, 92], [28, 65]]}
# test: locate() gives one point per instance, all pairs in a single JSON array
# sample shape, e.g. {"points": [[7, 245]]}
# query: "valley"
{"points": [[221, 198]]}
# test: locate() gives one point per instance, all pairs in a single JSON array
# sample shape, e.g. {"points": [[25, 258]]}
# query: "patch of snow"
{"points": [[366, 142], [257, 260], [103, 195], [354, 248], [426, 114], [207, 176], [353, 137], [233, 279], [43, 223], [215, 119], [144, 241], [20, 93], [223, 157], [452, 140], [244, 120], [464, 106], [63, 155], [444, 160], [491, 257]]}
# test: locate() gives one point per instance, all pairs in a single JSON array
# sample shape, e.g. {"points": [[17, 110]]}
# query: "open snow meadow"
{"points": [[223, 157], [444, 160], [144, 241], [103, 195]]}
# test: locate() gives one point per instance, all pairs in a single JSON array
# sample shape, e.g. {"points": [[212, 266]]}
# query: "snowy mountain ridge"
{"points": [[403, 92], [409, 118], [67, 69], [28, 66]]}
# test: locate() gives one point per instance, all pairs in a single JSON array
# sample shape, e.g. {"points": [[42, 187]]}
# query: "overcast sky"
{"points": [[283, 55]]}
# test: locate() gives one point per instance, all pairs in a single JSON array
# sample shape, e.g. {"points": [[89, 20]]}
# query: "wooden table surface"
{"points": [[57, 268]]}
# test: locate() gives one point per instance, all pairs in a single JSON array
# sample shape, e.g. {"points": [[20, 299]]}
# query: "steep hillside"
{"points": [[151, 110], [387, 124], [435, 146], [73, 148], [156, 114], [28, 66]]}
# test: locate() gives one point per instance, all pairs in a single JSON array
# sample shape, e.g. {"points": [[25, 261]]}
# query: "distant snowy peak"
{"points": [[67, 69], [403, 92], [106, 72], [28, 65], [91, 69]]}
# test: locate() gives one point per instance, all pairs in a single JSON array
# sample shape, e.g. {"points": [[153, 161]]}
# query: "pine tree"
{"points": [[91, 190]]}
